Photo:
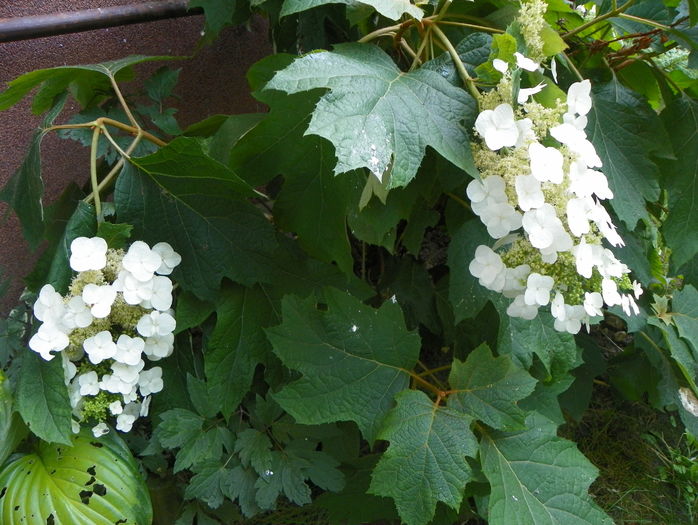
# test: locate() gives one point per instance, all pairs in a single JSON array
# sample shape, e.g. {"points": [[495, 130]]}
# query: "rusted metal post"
{"points": [[27, 27]]}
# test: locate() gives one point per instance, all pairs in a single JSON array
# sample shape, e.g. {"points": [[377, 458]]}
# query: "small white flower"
{"points": [[609, 290], [519, 308], [47, 339], [77, 314], [578, 121], [500, 218], [482, 193], [586, 257], [572, 323], [88, 254], [553, 69], [170, 258], [113, 384], [575, 139], [500, 65], [134, 291], [637, 289], [145, 406], [49, 305], [488, 267], [157, 347], [74, 426], [129, 349], [578, 98], [605, 225], [593, 302], [69, 369], [525, 93], [526, 133], [100, 298], [115, 408], [557, 306], [141, 261], [127, 373], [538, 289], [100, 429], [525, 62], [150, 381], [89, 384], [578, 212], [161, 298], [99, 347], [515, 280], [541, 225], [124, 422], [628, 305], [156, 323], [498, 127], [529, 192], [546, 163]]}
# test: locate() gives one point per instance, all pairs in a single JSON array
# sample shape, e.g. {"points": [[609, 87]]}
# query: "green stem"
{"points": [[572, 66], [459, 200], [404, 45], [115, 123], [117, 167], [460, 67], [471, 26], [122, 101], [420, 49], [650, 23], [379, 33], [610, 14], [113, 142], [93, 172]]}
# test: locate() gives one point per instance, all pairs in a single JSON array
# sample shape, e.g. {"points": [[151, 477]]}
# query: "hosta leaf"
{"points": [[238, 343], [392, 9], [626, 133], [488, 387], [425, 462], [354, 359], [681, 179], [378, 117], [94, 481], [42, 398], [538, 478], [25, 188]]}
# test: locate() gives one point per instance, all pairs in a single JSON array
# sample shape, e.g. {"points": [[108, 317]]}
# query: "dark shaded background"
{"points": [[214, 82]]}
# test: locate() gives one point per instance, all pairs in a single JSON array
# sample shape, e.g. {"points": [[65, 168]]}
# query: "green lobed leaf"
{"points": [[354, 359], [426, 460], [626, 133], [487, 388], [392, 9], [378, 117], [254, 449], [12, 430], [42, 398], [212, 482], [684, 314], [681, 180], [538, 478], [473, 50], [218, 14], [94, 481], [465, 293], [24, 190], [191, 311], [160, 85], [116, 235], [237, 344]]}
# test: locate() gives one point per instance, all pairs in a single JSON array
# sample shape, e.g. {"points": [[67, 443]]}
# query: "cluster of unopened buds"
{"points": [[116, 313], [539, 195]]}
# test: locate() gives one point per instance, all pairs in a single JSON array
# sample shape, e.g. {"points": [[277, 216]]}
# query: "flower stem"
{"points": [[93, 173], [101, 121], [471, 26], [460, 67]]}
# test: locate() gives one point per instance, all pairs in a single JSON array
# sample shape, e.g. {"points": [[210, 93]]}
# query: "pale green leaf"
{"points": [[426, 461], [392, 9], [95, 481], [487, 388], [354, 359], [538, 478], [378, 117]]}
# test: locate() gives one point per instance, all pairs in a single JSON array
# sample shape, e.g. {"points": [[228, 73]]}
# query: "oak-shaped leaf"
{"points": [[353, 358], [487, 388], [537, 477], [426, 461], [378, 117]]}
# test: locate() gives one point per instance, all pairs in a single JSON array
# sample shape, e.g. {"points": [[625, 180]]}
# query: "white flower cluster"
{"points": [[116, 312], [540, 196]]}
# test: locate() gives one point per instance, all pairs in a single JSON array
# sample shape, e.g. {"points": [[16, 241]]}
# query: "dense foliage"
{"points": [[394, 287]]}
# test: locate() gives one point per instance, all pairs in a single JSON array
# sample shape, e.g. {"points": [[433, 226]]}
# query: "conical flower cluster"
{"points": [[115, 316], [540, 196]]}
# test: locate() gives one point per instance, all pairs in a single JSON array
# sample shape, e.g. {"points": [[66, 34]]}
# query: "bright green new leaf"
{"points": [[626, 133], [392, 9], [684, 314], [681, 179], [426, 461], [487, 388], [354, 359], [538, 478], [95, 481], [42, 398], [116, 235], [237, 344], [25, 188], [378, 117]]}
